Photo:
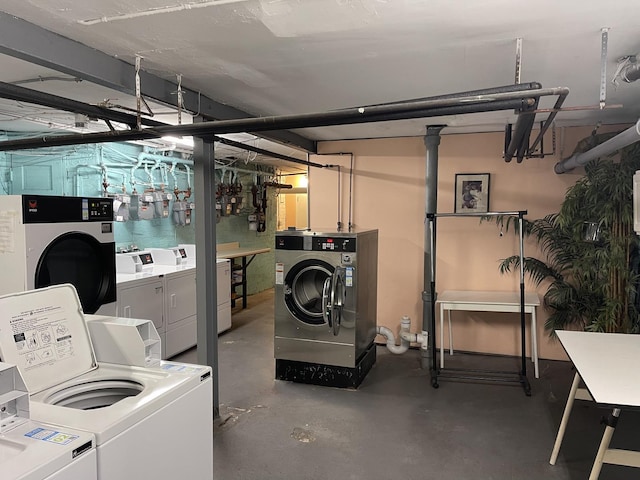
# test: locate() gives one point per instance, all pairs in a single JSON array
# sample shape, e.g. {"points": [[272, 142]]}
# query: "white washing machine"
{"points": [[51, 240], [148, 423], [36, 451]]}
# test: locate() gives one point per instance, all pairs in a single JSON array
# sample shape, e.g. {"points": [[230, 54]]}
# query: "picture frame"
{"points": [[471, 193]]}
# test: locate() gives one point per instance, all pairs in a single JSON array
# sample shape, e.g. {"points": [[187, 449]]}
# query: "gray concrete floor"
{"points": [[396, 425]]}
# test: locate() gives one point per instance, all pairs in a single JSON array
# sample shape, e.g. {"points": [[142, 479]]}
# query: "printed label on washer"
{"points": [[279, 273], [52, 436], [41, 336], [348, 281], [173, 368]]}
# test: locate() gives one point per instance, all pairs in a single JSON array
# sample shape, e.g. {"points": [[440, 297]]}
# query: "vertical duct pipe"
{"points": [[432, 141]]}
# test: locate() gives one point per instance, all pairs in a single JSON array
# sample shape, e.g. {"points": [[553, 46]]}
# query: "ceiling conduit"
{"points": [[408, 109], [623, 139]]}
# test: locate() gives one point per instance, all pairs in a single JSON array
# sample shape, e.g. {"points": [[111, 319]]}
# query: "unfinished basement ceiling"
{"points": [[273, 57]]}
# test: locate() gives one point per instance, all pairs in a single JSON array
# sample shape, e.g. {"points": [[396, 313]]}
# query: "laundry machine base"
{"points": [[327, 375]]}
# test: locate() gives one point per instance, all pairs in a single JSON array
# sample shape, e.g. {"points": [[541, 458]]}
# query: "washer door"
{"points": [[303, 287], [333, 299], [79, 259]]}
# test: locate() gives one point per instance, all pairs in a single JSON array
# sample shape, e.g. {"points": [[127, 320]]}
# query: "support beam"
{"points": [[34, 44], [206, 282]]}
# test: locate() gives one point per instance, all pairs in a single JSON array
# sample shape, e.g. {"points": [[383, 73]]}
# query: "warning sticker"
{"points": [[52, 436], [41, 336], [279, 273]]}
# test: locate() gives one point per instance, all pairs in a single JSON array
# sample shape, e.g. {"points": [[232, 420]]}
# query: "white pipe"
{"points": [[188, 175], [172, 171], [623, 139], [406, 337], [405, 327]]}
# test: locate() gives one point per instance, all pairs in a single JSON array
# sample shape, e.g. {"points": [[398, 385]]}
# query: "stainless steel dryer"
{"points": [[325, 306]]}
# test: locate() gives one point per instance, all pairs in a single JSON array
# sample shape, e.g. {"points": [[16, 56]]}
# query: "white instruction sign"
{"points": [[279, 273], [45, 335], [41, 336]]}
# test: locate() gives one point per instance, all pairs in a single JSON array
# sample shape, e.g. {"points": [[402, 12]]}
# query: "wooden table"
{"points": [[233, 251], [482, 301], [607, 364]]}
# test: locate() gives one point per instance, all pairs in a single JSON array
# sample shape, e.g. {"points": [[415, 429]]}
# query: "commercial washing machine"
{"points": [[36, 451], [148, 422], [48, 240], [325, 306]]}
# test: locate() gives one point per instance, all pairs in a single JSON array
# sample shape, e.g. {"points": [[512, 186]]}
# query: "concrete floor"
{"points": [[396, 425]]}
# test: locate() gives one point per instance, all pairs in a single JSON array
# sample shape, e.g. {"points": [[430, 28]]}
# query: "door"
{"points": [[79, 259], [143, 300], [314, 293]]}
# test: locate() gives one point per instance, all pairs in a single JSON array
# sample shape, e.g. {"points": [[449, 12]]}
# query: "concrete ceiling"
{"points": [[272, 57]]}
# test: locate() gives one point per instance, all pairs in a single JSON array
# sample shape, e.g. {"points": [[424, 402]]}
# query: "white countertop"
{"points": [[607, 363]]}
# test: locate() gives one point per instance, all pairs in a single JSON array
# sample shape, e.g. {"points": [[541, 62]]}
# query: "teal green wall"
{"points": [[68, 171]]}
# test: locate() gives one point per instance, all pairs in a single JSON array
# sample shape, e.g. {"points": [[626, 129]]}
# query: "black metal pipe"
{"points": [[530, 120], [516, 87], [22, 94], [547, 124], [521, 133], [261, 151], [284, 122], [459, 110]]}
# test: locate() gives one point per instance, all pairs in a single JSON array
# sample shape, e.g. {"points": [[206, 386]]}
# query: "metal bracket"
{"points": [[138, 93], [603, 67], [518, 59]]}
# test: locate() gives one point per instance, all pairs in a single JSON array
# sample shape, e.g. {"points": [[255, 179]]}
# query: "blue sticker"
{"points": [[52, 436]]}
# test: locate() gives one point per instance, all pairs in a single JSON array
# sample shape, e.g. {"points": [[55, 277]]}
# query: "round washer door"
{"points": [[303, 290], [79, 259]]}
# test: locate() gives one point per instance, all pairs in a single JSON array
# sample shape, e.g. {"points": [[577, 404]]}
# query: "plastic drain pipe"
{"points": [[406, 337]]}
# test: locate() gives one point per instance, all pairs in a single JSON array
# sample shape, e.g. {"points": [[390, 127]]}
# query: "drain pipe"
{"points": [[623, 139], [406, 337], [432, 141]]}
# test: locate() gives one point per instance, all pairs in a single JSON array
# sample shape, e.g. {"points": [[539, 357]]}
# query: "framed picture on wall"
{"points": [[471, 193]]}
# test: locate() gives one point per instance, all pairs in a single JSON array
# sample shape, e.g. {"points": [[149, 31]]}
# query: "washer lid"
{"points": [[44, 333]]}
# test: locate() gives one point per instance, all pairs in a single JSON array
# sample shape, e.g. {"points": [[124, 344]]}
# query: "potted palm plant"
{"points": [[590, 253]]}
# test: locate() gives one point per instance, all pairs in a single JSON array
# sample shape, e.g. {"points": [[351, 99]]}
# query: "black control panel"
{"points": [[145, 258], [316, 244], [48, 209]]}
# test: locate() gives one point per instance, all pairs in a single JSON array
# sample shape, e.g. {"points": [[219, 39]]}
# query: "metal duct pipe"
{"points": [[432, 141], [623, 139], [282, 122]]}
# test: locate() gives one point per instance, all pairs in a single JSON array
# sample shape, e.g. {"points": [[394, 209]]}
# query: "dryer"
{"points": [[135, 413], [53, 240], [325, 306]]}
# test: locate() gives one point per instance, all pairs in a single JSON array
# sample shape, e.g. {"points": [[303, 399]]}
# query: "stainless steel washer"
{"points": [[325, 305]]}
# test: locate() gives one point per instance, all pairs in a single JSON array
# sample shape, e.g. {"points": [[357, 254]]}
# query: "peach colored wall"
{"points": [[389, 194]]}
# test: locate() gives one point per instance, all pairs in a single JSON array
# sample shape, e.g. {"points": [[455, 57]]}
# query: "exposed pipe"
{"points": [[391, 341], [623, 139], [406, 337], [351, 161], [285, 122], [432, 141], [261, 151], [22, 94]]}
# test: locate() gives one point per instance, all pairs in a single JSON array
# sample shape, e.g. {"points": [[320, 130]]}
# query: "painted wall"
{"points": [[389, 194], [72, 171]]}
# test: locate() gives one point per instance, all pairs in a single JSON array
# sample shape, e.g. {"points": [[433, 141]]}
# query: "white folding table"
{"points": [[607, 364], [480, 301]]}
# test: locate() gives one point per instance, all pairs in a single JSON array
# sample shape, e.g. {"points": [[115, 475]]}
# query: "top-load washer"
{"points": [[52, 240], [36, 451], [325, 306], [136, 414]]}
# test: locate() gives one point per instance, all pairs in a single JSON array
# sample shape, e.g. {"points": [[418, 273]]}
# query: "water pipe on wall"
{"points": [[406, 337]]}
